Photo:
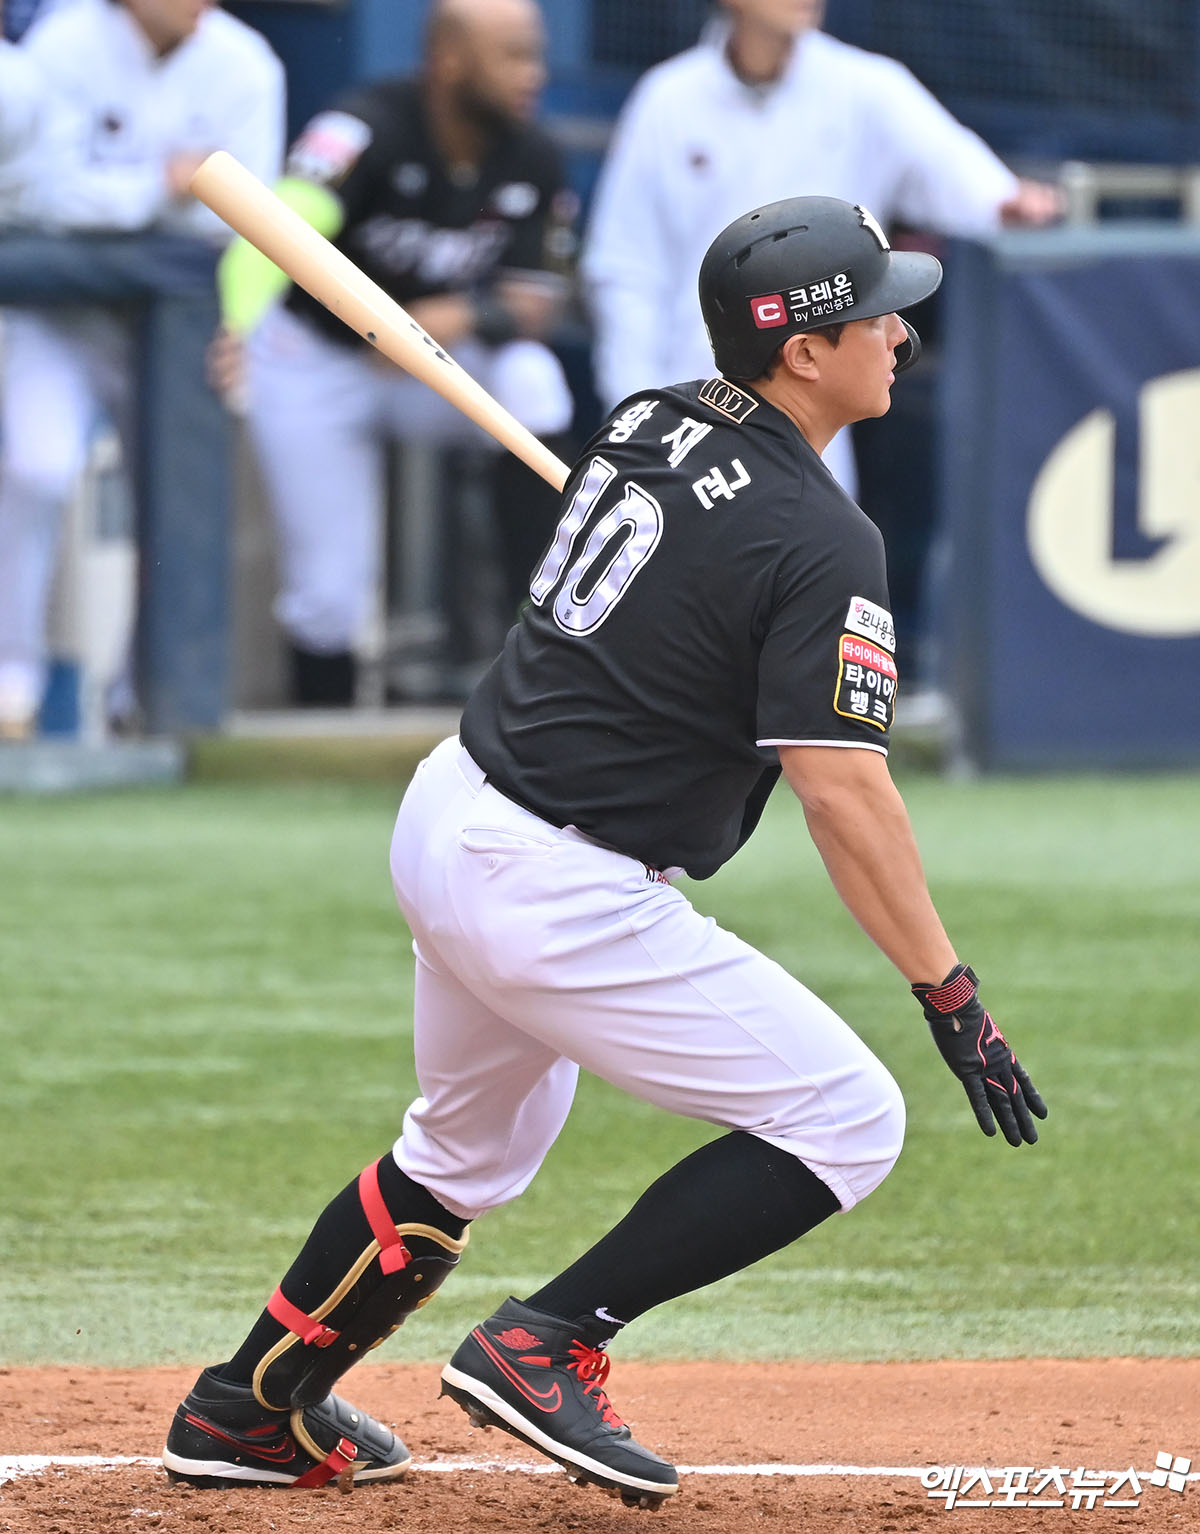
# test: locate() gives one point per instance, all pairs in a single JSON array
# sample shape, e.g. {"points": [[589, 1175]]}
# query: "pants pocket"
{"points": [[503, 841]]}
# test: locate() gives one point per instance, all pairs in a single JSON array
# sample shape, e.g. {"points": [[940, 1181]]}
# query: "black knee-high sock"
{"points": [[720, 1209], [341, 1233]]}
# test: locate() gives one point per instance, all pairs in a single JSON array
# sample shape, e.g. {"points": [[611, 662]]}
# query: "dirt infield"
{"points": [[780, 1422]]}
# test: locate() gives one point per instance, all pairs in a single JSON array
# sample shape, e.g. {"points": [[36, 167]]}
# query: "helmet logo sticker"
{"points": [[767, 311], [820, 300], [869, 221]]}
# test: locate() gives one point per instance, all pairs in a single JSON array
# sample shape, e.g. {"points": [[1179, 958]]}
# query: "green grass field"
{"points": [[205, 996]]}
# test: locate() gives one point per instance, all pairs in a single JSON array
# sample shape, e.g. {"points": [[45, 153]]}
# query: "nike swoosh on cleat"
{"points": [[281, 1449], [545, 1400]]}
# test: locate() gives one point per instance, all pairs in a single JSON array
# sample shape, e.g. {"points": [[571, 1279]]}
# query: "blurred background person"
{"points": [[766, 106], [442, 190], [136, 94]]}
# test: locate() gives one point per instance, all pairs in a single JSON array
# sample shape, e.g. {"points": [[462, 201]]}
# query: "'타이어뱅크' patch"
{"points": [[866, 683]]}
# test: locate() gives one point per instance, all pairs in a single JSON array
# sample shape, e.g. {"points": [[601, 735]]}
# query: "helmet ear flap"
{"points": [[909, 349]]}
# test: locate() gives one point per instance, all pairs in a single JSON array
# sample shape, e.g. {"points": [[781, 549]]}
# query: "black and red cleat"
{"points": [[541, 1379], [223, 1436]]}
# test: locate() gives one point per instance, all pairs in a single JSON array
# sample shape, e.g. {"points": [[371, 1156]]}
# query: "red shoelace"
{"points": [[591, 1369]]}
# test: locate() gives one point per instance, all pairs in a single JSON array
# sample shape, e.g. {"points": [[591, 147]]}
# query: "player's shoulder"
{"points": [[717, 403], [785, 473], [384, 112], [230, 39], [851, 67], [834, 537], [710, 439], [382, 115], [394, 100], [66, 28], [678, 83], [529, 152]]}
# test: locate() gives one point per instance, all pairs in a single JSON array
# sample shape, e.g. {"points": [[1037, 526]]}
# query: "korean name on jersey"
{"points": [[710, 594]]}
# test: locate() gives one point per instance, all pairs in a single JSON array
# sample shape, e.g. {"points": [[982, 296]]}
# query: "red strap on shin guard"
{"points": [[339, 1458], [309, 1330], [393, 1254]]}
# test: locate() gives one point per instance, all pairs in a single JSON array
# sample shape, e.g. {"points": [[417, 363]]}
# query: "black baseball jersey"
{"points": [[413, 226], [711, 593]]}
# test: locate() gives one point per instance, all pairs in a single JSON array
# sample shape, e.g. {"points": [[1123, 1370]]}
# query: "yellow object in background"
{"points": [[247, 282]]}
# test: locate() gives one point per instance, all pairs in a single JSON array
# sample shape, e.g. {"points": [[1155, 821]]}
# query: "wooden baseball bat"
{"points": [[253, 210]]}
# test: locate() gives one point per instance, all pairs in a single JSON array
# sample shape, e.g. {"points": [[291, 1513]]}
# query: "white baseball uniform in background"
{"points": [[695, 146], [116, 112], [322, 406], [21, 90], [318, 413], [113, 115]]}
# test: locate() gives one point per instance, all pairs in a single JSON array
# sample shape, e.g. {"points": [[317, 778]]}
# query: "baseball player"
{"points": [[136, 94], [765, 106], [711, 611], [448, 196]]}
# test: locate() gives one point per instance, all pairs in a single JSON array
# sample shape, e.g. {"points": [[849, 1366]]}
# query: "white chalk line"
{"points": [[14, 1465]]}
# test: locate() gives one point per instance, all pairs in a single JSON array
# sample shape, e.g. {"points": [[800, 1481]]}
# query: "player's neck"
{"points": [[758, 55], [803, 409], [460, 138], [163, 39]]}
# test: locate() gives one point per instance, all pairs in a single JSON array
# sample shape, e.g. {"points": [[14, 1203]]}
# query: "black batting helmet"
{"points": [[797, 265]]}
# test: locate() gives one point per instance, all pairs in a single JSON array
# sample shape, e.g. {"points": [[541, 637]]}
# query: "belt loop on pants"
{"points": [[472, 772]]}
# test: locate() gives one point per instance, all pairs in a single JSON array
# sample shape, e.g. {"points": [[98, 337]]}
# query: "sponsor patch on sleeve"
{"points": [[866, 682], [872, 622], [329, 148]]}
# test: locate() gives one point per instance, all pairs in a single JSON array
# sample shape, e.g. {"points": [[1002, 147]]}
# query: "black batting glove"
{"points": [[978, 1054]]}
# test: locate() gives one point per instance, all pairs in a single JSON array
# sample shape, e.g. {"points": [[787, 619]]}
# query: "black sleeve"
{"points": [[827, 670]]}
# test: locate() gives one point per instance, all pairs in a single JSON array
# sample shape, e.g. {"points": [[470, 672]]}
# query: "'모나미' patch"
{"points": [[866, 683], [872, 622]]}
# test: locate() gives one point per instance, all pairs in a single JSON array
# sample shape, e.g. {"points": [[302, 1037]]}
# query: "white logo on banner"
{"points": [[1070, 516]]}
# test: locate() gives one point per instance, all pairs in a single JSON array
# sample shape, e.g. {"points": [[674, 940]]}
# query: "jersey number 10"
{"points": [[589, 586]]}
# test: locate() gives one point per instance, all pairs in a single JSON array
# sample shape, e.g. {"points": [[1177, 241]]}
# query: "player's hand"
{"points": [[1033, 204], [180, 169], [225, 365], [978, 1054]]}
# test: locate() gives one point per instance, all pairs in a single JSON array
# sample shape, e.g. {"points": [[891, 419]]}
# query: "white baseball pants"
{"points": [[319, 414], [539, 952]]}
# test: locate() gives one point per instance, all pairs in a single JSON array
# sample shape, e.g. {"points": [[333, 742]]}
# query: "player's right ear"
{"points": [[801, 356]]}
